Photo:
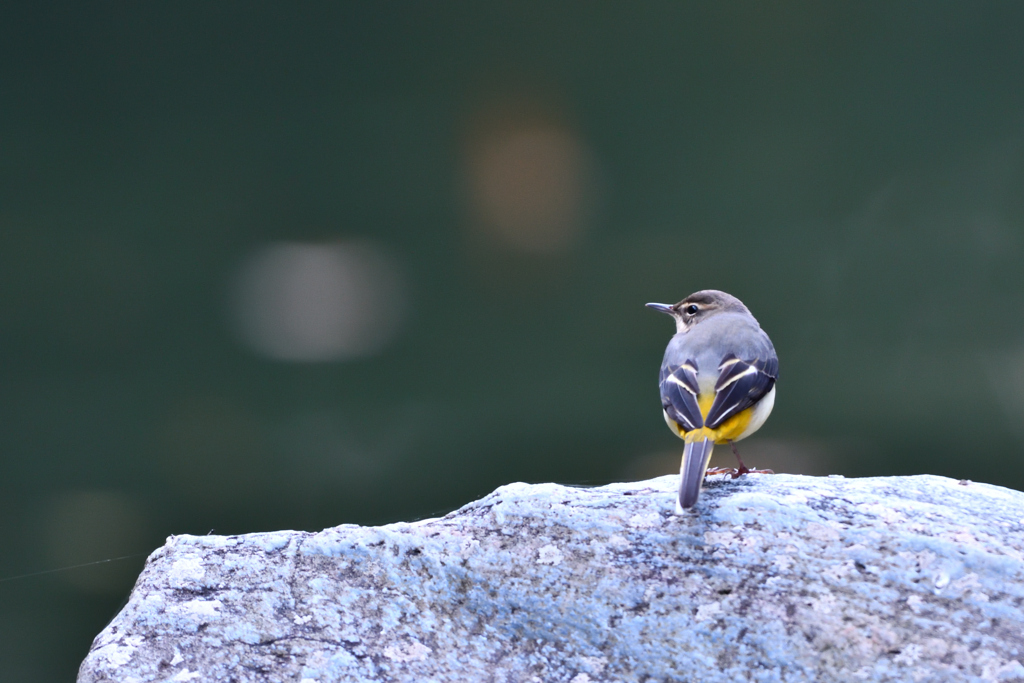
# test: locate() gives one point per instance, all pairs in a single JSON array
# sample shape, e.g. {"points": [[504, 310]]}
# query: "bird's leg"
{"points": [[743, 469]]}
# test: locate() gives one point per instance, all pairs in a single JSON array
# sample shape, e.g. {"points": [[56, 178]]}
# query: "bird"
{"points": [[717, 382]]}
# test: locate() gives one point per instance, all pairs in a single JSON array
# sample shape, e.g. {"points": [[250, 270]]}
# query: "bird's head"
{"points": [[700, 306]]}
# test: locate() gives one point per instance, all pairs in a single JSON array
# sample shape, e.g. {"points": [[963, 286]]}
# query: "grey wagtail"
{"points": [[717, 381]]}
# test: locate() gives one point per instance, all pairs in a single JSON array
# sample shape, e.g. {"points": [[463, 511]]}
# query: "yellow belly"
{"points": [[730, 430]]}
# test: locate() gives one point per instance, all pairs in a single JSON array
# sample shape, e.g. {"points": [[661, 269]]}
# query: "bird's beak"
{"points": [[664, 308]]}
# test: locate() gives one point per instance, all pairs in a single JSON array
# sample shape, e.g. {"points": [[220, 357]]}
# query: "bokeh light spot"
{"points": [[318, 302], [529, 184]]}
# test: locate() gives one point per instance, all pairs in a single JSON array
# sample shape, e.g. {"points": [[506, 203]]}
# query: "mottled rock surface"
{"points": [[770, 578]]}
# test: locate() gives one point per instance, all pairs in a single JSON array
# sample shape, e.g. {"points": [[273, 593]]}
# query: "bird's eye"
{"points": [[692, 309]]}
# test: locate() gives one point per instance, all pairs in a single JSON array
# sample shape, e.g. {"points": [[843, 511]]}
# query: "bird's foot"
{"points": [[735, 472], [728, 471], [746, 470]]}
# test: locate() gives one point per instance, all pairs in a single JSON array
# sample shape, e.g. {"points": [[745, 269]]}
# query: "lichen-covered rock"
{"points": [[769, 578]]}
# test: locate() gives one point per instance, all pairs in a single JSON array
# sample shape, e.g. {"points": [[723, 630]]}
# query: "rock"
{"points": [[769, 578]]}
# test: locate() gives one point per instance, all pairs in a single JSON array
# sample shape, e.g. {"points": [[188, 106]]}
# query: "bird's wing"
{"points": [[741, 384], [679, 394]]}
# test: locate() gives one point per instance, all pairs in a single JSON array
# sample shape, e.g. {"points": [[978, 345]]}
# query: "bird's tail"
{"points": [[696, 456]]}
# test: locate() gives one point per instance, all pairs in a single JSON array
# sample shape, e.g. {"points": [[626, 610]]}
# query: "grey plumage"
{"points": [[720, 351], [695, 462], [709, 343]]}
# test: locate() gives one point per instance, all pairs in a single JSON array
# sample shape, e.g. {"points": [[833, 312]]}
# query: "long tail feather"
{"points": [[696, 456]]}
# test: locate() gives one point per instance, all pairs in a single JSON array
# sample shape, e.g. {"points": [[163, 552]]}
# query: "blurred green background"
{"points": [[271, 266]]}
